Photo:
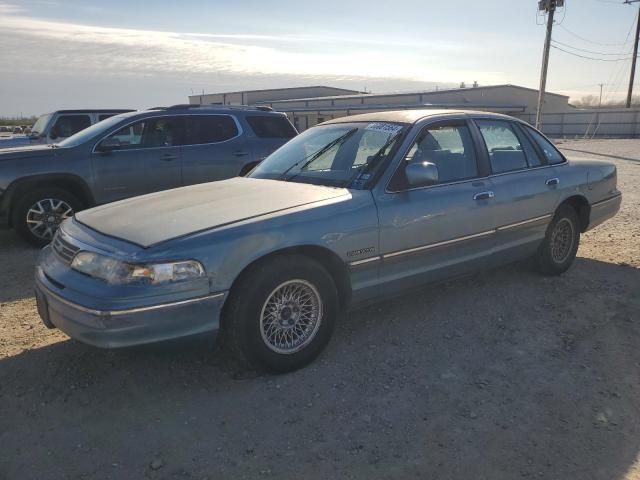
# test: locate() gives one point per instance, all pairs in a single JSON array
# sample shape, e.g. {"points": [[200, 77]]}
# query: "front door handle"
{"points": [[168, 157], [240, 153], [552, 181], [483, 196]]}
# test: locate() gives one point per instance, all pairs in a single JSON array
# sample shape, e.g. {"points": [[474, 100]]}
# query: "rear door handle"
{"points": [[483, 196], [240, 153], [552, 181], [168, 157]]}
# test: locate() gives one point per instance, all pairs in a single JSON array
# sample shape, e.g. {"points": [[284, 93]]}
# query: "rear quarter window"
{"points": [[549, 150], [271, 126]]}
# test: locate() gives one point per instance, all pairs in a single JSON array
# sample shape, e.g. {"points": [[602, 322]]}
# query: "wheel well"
{"points": [[582, 208], [72, 185], [326, 258]]}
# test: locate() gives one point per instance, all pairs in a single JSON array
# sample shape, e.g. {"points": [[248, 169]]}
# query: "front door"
{"points": [[140, 158], [442, 229]]}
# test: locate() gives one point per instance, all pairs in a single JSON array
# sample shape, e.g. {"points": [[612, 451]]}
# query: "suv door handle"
{"points": [[168, 157], [483, 196], [552, 181], [240, 153]]}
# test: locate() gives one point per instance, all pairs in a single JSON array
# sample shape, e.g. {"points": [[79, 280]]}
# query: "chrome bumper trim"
{"points": [[114, 313]]}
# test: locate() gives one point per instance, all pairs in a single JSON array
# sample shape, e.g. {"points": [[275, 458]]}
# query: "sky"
{"points": [[137, 54]]}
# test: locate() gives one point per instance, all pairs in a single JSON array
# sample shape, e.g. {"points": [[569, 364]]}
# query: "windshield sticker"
{"points": [[390, 128]]}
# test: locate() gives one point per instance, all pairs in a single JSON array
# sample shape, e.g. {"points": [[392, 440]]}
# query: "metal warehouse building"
{"points": [[308, 106]]}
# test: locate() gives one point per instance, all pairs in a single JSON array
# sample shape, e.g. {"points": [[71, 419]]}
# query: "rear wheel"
{"points": [[281, 314], [559, 248], [37, 214]]}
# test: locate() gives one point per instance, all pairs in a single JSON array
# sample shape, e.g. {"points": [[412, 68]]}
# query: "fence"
{"points": [[600, 123]]}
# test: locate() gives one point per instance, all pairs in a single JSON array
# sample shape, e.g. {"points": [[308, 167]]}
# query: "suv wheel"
{"points": [[280, 316], [37, 215], [559, 248]]}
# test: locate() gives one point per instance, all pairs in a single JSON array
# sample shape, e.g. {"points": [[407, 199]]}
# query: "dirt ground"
{"points": [[500, 375]]}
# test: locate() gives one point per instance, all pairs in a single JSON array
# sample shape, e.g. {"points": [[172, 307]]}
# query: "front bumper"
{"points": [[125, 328]]}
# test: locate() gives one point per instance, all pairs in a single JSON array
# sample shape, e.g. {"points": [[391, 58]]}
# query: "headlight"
{"points": [[114, 271]]}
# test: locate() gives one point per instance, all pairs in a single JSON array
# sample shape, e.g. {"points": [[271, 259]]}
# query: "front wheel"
{"points": [[281, 314], [559, 248]]}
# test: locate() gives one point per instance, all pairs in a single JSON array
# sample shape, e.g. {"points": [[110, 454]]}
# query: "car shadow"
{"points": [[496, 375], [17, 269]]}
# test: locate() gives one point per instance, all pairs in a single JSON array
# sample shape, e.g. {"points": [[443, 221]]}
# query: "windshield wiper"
{"points": [[376, 157], [341, 139]]}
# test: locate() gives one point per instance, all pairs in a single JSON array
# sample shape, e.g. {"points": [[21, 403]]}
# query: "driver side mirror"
{"points": [[421, 174], [109, 144]]}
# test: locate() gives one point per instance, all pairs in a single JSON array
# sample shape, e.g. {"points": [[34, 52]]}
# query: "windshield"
{"points": [[40, 124], [339, 155], [93, 131]]}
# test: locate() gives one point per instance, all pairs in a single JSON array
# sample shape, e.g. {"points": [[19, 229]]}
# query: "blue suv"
{"points": [[132, 154]]}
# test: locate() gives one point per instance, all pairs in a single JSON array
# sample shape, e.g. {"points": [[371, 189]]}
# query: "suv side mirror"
{"points": [[421, 174], [109, 144]]}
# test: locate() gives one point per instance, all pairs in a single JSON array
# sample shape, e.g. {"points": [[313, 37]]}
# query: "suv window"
{"points": [[202, 129], [104, 116], [67, 125], [550, 151], [271, 126], [505, 150], [450, 148], [148, 133]]}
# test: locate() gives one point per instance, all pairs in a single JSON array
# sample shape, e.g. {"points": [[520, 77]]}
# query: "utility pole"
{"points": [[635, 56], [600, 102], [548, 6]]}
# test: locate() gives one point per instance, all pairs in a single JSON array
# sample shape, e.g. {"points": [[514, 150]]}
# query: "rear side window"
{"points": [[505, 150], [67, 125], [448, 147], [203, 129], [550, 151], [271, 126]]}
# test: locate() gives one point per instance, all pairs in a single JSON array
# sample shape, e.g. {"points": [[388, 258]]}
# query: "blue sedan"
{"points": [[353, 210]]}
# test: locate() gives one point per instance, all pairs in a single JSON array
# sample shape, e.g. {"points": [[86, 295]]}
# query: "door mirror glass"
{"points": [[109, 144], [421, 174]]}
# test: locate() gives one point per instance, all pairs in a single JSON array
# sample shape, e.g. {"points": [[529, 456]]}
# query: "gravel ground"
{"points": [[501, 375]]}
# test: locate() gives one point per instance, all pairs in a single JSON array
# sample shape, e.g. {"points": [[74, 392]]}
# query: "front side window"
{"points": [[342, 154], [272, 126], [67, 125], [448, 147], [551, 153], [148, 133], [204, 129], [505, 150]]}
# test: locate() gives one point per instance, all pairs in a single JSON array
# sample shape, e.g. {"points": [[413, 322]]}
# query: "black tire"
{"points": [[242, 328], [558, 250], [25, 202]]}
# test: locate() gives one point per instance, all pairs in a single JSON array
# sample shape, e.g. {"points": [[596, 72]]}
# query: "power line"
{"points": [[586, 51], [590, 58], [596, 43]]}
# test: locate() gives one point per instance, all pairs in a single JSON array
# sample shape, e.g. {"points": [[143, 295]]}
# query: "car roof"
{"points": [[415, 115], [96, 110]]}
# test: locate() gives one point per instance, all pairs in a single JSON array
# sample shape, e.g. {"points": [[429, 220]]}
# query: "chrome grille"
{"points": [[65, 250]]}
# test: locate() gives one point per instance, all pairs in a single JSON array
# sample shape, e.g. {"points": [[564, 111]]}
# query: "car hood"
{"points": [[25, 152], [155, 218]]}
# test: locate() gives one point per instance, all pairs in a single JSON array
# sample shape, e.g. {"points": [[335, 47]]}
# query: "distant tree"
{"points": [[13, 121], [593, 101]]}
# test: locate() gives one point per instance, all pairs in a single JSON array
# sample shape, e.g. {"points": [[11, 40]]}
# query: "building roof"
{"points": [[278, 90], [413, 93]]}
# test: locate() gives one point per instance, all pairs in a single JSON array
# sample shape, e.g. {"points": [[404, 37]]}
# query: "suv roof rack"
{"points": [[189, 106]]}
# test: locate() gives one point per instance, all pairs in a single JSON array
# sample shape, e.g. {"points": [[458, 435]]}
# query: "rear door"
{"points": [[215, 148], [525, 194], [268, 132], [142, 157]]}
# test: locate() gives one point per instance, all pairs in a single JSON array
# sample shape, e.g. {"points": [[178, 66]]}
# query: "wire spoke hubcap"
{"points": [[45, 216], [291, 316], [562, 239]]}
